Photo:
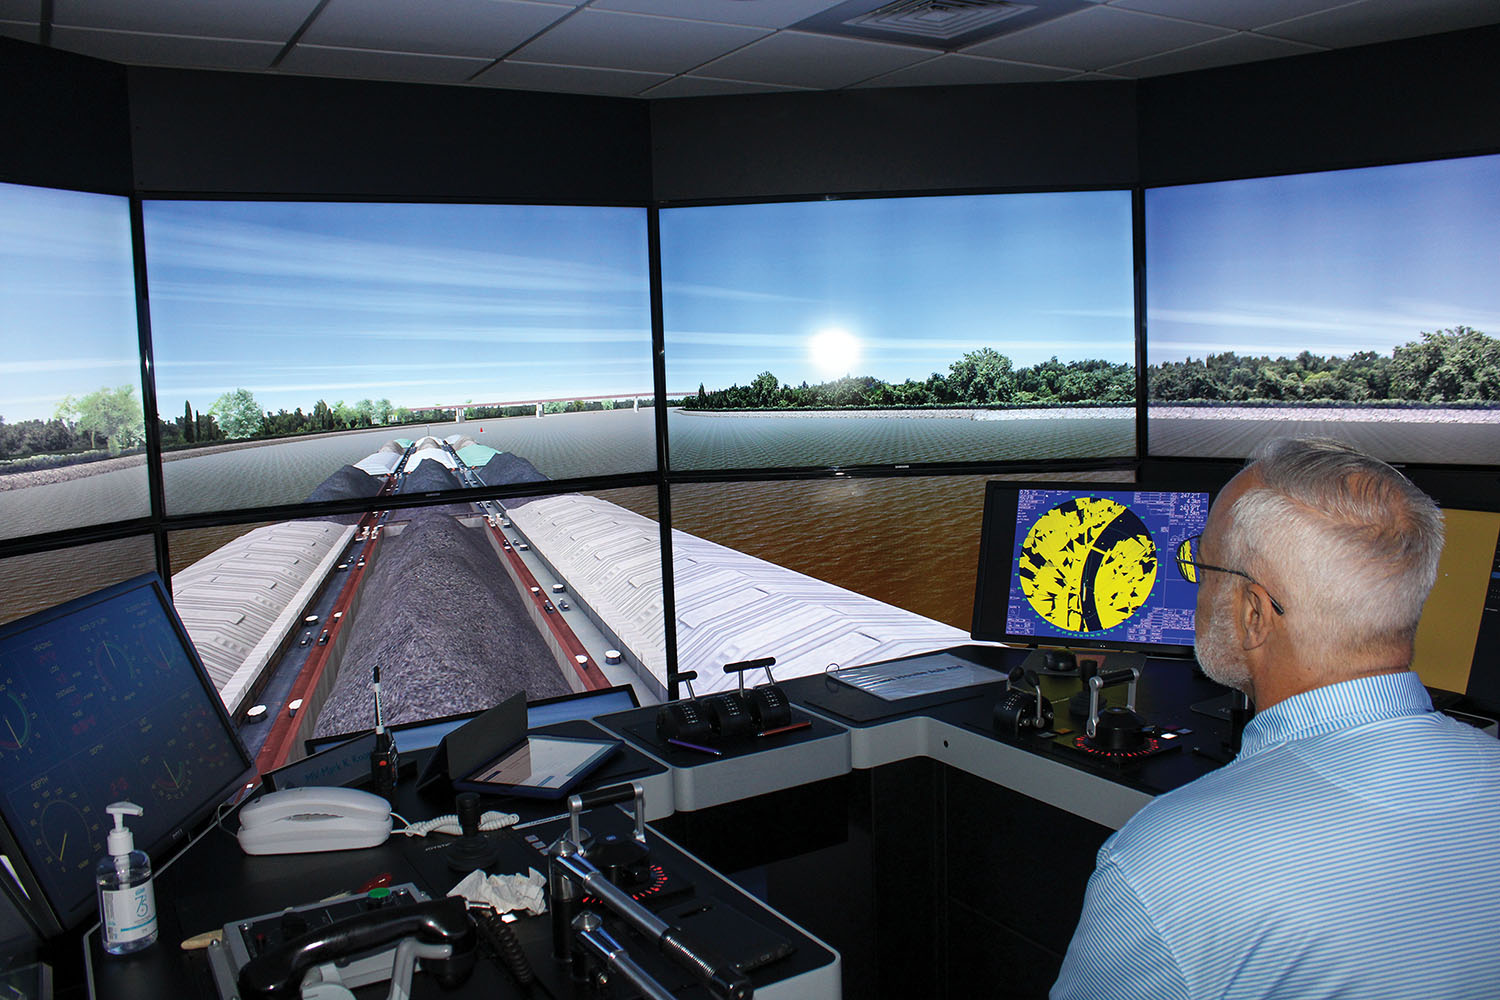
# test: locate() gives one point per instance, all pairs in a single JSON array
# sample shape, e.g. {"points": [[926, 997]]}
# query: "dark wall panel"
{"points": [[64, 119], [71, 124], [241, 133], [1418, 99], [914, 139]]}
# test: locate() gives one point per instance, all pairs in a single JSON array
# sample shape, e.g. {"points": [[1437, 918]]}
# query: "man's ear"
{"points": [[1255, 616]]}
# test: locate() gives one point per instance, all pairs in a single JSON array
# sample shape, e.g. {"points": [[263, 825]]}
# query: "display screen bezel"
{"points": [[57, 911], [997, 569]]}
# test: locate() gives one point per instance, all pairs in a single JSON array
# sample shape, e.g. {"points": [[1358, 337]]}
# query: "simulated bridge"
{"points": [[579, 605]]}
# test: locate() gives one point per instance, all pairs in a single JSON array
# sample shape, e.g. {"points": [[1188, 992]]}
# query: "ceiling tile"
{"points": [[702, 86], [609, 40], [1094, 38], [1238, 48], [369, 64], [26, 31], [140, 49], [261, 20], [1229, 13], [762, 13], [796, 59], [1371, 21], [568, 79], [683, 48], [952, 69], [478, 28]]}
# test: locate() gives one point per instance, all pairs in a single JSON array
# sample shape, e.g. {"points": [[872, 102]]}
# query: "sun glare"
{"points": [[833, 351]]}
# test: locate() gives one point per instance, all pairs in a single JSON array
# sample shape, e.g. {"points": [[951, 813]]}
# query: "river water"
{"points": [[912, 542], [564, 446]]}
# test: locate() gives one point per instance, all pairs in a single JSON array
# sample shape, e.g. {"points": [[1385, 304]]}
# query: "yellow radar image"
{"points": [[1088, 564]]}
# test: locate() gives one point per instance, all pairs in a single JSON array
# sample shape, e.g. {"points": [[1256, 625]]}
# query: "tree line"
{"points": [[109, 422], [1458, 365], [236, 415], [103, 423], [980, 378]]}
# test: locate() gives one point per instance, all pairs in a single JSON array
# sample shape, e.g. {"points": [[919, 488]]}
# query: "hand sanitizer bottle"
{"points": [[127, 900]]}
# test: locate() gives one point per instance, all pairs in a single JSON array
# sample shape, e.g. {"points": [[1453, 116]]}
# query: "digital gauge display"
{"points": [[104, 699]]}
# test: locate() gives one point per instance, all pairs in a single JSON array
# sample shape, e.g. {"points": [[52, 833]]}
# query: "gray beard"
{"points": [[1218, 649]]}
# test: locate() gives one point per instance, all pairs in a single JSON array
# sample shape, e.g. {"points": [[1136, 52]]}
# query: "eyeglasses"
{"points": [[1188, 565]]}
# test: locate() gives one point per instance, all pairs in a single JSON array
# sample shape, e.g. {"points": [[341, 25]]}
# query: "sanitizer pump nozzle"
{"points": [[127, 899]]}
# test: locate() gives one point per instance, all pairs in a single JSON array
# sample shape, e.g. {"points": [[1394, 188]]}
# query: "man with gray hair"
{"points": [[1350, 850]]}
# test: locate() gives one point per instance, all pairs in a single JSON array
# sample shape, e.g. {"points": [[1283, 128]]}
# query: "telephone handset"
{"points": [[280, 973], [314, 818]]}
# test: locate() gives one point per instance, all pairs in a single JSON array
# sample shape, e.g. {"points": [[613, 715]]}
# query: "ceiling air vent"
{"points": [[937, 24], [943, 20]]}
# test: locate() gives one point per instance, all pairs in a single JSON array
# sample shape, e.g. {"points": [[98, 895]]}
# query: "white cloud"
{"points": [[671, 288], [248, 249], [69, 365]]}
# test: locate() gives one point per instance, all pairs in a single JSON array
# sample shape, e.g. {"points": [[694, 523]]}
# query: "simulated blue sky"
{"points": [[426, 304], [67, 299], [1330, 263], [918, 281], [419, 304]]}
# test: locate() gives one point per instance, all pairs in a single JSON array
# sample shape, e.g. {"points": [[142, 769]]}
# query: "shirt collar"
{"points": [[1336, 706]]}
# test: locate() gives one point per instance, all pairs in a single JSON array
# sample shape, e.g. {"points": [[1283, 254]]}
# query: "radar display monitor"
{"points": [[104, 699], [1075, 565]]}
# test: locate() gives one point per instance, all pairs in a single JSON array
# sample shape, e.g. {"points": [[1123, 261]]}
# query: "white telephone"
{"points": [[303, 820]]}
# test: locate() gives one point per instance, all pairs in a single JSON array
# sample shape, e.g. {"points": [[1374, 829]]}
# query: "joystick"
{"points": [[1059, 661], [618, 857], [472, 849], [1115, 730], [1118, 730]]}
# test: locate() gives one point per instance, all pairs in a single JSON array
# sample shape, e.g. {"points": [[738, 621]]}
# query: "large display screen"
{"points": [[1357, 304], [1087, 567], [104, 699], [294, 339], [72, 430], [895, 331]]}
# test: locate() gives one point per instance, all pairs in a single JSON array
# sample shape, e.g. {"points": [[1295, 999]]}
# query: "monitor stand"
{"points": [[1218, 707], [1232, 707], [1066, 662]]}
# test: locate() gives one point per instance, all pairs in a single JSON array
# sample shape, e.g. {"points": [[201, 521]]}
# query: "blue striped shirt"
{"points": [[1352, 850]]}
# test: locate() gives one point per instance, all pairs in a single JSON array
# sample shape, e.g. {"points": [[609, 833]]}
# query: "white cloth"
{"points": [[505, 892]]}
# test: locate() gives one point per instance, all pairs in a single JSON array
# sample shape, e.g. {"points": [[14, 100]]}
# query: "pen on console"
{"points": [[694, 746], [789, 728]]}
